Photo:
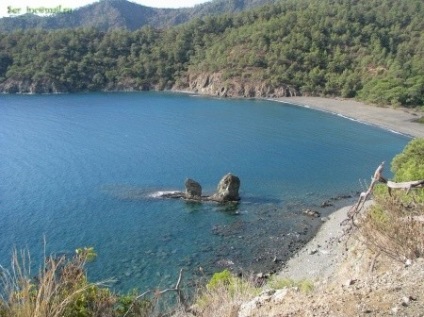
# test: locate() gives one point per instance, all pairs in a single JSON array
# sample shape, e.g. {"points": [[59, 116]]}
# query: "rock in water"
{"points": [[193, 189], [228, 189]]}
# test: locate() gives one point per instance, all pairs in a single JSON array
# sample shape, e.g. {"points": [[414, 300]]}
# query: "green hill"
{"points": [[114, 14], [371, 50]]}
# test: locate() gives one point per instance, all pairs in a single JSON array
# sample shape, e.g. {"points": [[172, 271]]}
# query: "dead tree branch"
{"points": [[405, 185], [378, 177]]}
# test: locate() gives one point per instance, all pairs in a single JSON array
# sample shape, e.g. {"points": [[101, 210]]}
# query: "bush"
{"points": [[395, 223], [409, 165], [224, 278], [61, 289], [395, 228], [223, 295]]}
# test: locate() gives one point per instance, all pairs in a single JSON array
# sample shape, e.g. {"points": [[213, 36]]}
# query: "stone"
{"points": [[312, 213], [225, 263], [326, 204], [228, 189], [279, 295], [313, 251], [193, 189]]}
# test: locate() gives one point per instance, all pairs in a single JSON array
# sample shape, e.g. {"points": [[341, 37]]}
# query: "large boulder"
{"points": [[193, 189], [228, 189]]}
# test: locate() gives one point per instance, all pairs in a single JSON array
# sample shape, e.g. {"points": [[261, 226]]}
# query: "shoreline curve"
{"points": [[399, 120]]}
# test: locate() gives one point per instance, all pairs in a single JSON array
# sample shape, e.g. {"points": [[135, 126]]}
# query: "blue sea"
{"points": [[87, 169]]}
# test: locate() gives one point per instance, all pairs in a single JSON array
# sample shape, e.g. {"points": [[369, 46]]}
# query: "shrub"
{"points": [[395, 228], [409, 165], [61, 289], [223, 295], [395, 223], [224, 278]]}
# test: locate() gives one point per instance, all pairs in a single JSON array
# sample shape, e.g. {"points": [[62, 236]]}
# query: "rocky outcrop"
{"points": [[193, 189], [212, 84], [227, 191], [50, 86], [215, 85], [42, 86]]}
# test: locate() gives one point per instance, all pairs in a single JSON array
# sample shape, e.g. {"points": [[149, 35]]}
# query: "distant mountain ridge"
{"points": [[114, 14]]}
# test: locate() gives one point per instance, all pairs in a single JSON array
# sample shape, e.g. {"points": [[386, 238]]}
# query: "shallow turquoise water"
{"points": [[83, 170]]}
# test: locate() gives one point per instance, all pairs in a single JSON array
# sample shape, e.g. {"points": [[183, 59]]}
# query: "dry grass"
{"points": [[395, 226], [223, 298], [59, 289], [304, 285]]}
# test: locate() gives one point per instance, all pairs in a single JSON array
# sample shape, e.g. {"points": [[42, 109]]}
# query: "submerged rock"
{"points": [[311, 213]]}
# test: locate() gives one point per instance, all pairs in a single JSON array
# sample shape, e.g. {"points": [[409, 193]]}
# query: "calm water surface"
{"points": [[84, 169]]}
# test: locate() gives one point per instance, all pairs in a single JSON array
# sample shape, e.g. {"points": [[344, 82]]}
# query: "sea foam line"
{"points": [[160, 193]]}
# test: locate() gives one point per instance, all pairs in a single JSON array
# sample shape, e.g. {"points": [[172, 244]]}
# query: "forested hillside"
{"points": [[106, 15], [368, 49]]}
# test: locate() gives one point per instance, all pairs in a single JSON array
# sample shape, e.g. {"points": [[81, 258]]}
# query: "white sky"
{"points": [[20, 6]]}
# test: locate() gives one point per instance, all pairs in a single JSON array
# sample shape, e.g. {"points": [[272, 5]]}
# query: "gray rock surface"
{"points": [[228, 189], [193, 189]]}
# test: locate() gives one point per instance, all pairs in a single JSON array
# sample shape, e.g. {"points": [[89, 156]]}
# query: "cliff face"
{"points": [[26, 86], [212, 84], [51, 86], [215, 85]]}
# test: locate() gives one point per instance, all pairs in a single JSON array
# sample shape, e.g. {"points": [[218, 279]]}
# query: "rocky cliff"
{"points": [[214, 84], [27, 86]]}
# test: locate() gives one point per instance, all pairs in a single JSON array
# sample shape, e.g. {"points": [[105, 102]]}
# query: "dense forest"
{"points": [[372, 50], [107, 15]]}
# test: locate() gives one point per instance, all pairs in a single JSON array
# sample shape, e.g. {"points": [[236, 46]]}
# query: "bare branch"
{"points": [[364, 195], [174, 289], [404, 185]]}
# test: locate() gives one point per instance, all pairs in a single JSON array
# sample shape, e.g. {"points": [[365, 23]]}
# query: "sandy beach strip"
{"points": [[322, 255], [398, 120]]}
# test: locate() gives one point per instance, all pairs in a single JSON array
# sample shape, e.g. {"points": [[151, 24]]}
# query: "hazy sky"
{"points": [[14, 7]]}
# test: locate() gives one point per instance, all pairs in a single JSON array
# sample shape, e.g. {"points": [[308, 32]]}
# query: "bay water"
{"points": [[87, 169]]}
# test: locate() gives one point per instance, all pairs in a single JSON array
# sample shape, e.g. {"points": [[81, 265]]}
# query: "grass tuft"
{"points": [[223, 295], [61, 289], [305, 286]]}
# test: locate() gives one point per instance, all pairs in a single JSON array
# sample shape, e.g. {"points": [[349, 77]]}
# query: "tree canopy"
{"points": [[409, 165], [372, 50]]}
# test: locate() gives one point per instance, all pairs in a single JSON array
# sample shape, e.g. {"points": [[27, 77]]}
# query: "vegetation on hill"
{"points": [[370, 50], [107, 15]]}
